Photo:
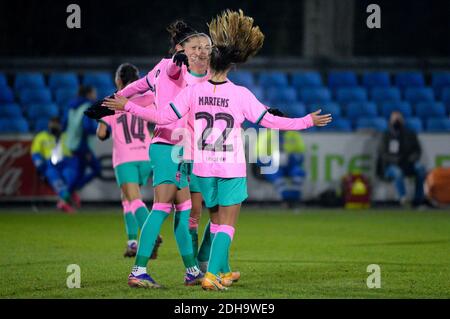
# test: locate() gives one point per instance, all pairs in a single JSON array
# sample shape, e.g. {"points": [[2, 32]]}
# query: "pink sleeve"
{"points": [[257, 113], [107, 119], [165, 115], [139, 86], [173, 71]]}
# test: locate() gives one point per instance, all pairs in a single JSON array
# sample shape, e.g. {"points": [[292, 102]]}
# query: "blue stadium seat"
{"points": [[439, 81], [337, 79], [349, 95], [414, 124], [64, 96], [98, 79], [33, 96], [358, 110], [430, 109], [388, 94], [445, 95], [376, 123], [15, 125], [403, 107], [3, 81], [63, 81], [281, 95], [257, 91], [243, 78], [329, 107], [376, 79], [10, 110], [409, 79], [314, 95], [6, 95], [309, 79], [416, 95], [273, 79], [438, 125], [48, 110], [103, 92], [29, 81], [295, 109], [41, 124], [337, 125]]}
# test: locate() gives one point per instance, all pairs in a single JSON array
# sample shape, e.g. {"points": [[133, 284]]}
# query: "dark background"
{"points": [[31, 28]]}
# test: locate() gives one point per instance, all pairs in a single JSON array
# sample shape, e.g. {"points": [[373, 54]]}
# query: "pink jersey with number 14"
{"points": [[218, 110]]}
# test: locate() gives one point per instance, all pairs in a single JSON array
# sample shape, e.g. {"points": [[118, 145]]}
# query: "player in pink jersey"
{"points": [[219, 108], [131, 137], [188, 66]]}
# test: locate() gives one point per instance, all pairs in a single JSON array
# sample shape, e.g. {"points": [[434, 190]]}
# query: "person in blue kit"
{"points": [[81, 134], [289, 177], [54, 162]]}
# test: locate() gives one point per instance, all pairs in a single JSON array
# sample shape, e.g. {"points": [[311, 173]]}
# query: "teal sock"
{"points": [[141, 215], [131, 226], [183, 238], [149, 234], [226, 267], [219, 252], [205, 247], [194, 239]]}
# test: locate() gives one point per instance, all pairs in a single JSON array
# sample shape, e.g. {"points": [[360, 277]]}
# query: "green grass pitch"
{"points": [[281, 254]]}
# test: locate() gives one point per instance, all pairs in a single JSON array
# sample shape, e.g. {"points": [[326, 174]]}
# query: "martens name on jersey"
{"points": [[214, 101]]}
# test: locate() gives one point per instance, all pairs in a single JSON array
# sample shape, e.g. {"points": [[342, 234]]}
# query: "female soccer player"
{"points": [[131, 163], [188, 66], [218, 108]]}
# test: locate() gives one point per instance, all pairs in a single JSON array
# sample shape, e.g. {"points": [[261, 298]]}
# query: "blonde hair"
{"points": [[235, 39]]}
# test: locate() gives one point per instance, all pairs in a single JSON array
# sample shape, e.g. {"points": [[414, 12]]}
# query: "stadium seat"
{"points": [[257, 91], [329, 107], [63, 81], [98, 79], [438, 125], [358, 110], [430, 109], [273, 79], [414, 124], [33, 96], [376, 123], [337, 125], [41, 124], [376, 79], [15, 125], [310, 79], [10, 110], [3, 81], [403, 107], [243, 78], [35, 111], [388, 94], [440, 80], [416, 95], [29, 81], [103, 92], [349, 95], [445, 95], [409, 79], [6, 95], [314, 95], [281, 95], [64, 96], [338, 79], [294, 109]]}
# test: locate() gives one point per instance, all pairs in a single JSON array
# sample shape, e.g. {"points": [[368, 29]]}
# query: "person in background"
{"points": [[81, 132], [399, 155], [54, 161]]}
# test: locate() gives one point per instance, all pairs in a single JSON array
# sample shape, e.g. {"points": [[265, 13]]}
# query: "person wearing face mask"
{"points": [[399, 156], [54, 162]]}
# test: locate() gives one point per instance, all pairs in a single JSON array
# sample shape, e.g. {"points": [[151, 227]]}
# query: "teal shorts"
{"points": [[168, 169], [136, 172], [223, 191], [194, 186]]}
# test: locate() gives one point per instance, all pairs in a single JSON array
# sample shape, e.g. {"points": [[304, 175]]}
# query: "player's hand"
{"points": [[117, 103], [180, 58], [320, 120]]}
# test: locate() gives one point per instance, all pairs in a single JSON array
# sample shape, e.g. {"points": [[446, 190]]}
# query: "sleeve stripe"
{"points": [[175, 110], [149, 85], [101, 121], [261, 117]]}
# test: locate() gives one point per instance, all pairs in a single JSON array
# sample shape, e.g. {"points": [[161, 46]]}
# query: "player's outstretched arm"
{"points": [[313, 119]]}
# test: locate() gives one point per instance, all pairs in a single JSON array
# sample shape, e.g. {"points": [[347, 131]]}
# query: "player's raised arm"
{"points": [[139, 86]]}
